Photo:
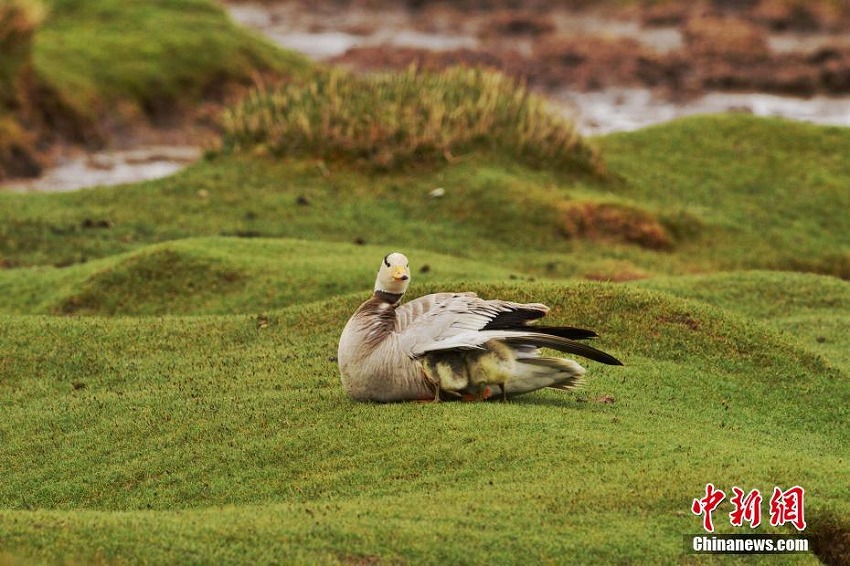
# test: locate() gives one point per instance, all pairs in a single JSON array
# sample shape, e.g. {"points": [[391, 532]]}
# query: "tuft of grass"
{"points": [[395, 119]]}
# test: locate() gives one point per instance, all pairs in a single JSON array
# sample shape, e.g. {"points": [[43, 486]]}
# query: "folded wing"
{"points": [[448, 321]]}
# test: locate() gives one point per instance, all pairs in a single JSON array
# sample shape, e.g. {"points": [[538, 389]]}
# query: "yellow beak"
{"points": [[399, 273]]}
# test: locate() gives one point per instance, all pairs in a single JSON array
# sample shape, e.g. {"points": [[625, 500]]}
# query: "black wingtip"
{"points": [[569, 332], [566, 345], [605, 358]]}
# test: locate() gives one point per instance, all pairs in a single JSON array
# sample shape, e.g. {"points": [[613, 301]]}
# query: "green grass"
{"points": [[80, 70], [230, 438], [812, 309], [233, 441], [215, 276], [243, 196], [194, 414], [766, 193], [666, 207], [172, 55]]}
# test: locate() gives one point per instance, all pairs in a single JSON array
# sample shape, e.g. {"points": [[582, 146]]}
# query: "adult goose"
{"points": [[452, 345]]}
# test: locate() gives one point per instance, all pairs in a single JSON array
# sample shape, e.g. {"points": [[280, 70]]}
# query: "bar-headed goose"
{"points": [[452, 345]]}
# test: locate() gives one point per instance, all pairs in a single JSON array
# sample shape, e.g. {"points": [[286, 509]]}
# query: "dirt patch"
{"points": [[800, 15], [610, 222], [595, 63], [835, 264], [668, 13], [681, 319], [517, 23], [359, 559], [726, 39], [620, 275], [617, 273], [830, 539]]}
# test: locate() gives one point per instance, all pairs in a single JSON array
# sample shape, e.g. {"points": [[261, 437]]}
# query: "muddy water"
{"points": [[615, 110], [74, 172], [326, 37]]}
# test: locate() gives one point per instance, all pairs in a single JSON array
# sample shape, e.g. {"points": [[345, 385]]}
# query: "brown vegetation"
{"points": [[18, 22], [610, 222]]}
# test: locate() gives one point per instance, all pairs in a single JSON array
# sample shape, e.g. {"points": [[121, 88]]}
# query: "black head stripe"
{"points": [[386, 260]]}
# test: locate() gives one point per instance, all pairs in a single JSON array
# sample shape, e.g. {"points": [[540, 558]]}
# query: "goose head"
{"points": [[393, 274]]}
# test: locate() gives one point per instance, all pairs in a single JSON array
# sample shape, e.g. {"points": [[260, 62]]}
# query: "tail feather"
{"points": [[569, 332], [519, 319], [536, 373], [563, 345]]}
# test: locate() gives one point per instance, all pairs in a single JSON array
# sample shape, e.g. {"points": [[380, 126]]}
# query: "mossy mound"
{"points": [[216, 276], [81, 70]]}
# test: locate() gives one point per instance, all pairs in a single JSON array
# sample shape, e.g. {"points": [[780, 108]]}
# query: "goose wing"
{"points": [[463, 321]]}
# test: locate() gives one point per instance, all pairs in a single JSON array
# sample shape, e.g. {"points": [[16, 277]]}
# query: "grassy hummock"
{"points": [[229, 439], [390, 119], [201, 276], [82, 69], [171, 54]]}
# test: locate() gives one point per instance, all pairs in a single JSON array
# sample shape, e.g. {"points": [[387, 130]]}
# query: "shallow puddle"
{"points": [[621, 109], [109, 168]]}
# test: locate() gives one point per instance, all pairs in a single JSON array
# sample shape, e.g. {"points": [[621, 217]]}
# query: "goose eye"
{"points": [[386, 261]]}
